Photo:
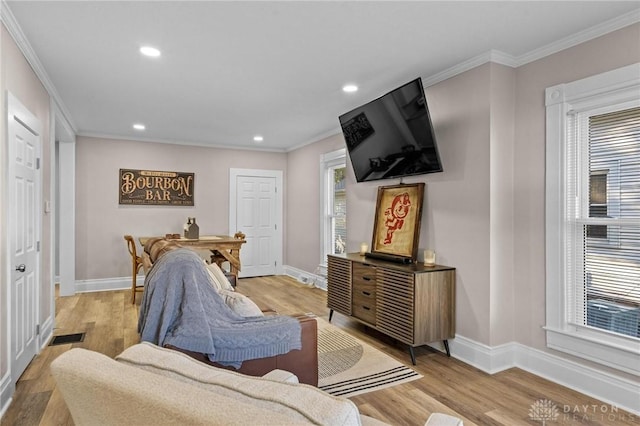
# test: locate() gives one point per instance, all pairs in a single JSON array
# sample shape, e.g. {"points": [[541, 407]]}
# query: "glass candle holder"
{"points": [[430, 257], [364, 247]]}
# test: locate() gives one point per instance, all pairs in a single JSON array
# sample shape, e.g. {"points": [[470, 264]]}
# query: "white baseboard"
{"points": [[106, 284], [486, 358], [305, 277], [612, 390], [46, 331], [124, 283], [6, 393]]}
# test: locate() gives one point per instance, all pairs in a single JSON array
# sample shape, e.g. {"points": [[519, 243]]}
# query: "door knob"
{"points": [[21, 268]]}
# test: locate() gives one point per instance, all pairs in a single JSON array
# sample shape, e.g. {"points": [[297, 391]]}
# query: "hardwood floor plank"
{"points": [[448, 386], [56, 412]]}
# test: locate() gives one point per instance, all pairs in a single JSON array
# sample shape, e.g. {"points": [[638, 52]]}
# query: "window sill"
{"points": [[613, 351]]}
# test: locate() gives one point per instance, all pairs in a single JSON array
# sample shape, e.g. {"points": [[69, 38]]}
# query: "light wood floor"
{"points": [[450, 386]]}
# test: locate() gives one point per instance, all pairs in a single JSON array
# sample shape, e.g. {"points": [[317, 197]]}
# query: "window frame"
{"points": [[617, 87], [328, 163]]}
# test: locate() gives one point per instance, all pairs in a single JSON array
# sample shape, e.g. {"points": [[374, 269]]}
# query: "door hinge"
{"points": [[275, 226], [37, 329], [38, 246], [38, 163], [275, 263]]}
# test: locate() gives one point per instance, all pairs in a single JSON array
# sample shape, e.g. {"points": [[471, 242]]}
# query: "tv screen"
{"points": [[392, 136]]}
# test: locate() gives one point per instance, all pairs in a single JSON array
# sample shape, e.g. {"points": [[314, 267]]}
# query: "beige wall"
{"points": [[302, 224], [101, 222], [502, 133], [17, 77], [605, 53], [457, 209]]}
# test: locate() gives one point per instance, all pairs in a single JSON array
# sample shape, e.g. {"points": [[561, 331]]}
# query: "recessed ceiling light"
{"points": [[150, 51], [139, 126], [258, 138], [350, 88]]}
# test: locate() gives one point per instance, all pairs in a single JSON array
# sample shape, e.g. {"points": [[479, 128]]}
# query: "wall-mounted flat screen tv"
{"points": [[392, 136]]}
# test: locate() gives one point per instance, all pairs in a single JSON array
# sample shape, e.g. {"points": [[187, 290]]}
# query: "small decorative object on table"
{"points": [[363, 249], [192, 230], [430, 258]]}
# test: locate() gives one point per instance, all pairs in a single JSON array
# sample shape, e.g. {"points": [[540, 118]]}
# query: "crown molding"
{"points": [[109, 136], [502, 58], [596, 31], [493, 55], [23, 44]]}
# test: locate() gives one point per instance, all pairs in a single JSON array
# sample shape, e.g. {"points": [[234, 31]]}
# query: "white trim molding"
{"points": [[305, 277], [617, 391], [105, 284], [7, 388], [328, 162]]}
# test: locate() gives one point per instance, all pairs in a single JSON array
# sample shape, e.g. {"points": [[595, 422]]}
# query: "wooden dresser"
{"points": [[414, 304]]}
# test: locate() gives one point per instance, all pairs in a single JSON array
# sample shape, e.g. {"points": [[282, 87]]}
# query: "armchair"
{"points": [[182, 310]]}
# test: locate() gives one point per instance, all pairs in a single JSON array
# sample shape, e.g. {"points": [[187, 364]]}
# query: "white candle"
{"points": [[429, 257], [363, 249]]}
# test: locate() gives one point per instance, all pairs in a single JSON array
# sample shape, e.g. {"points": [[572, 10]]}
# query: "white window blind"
{"points": [[604, 249]]}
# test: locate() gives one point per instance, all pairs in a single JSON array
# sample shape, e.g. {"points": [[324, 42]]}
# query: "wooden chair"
{"points": [[218, 258], [136, 263]]}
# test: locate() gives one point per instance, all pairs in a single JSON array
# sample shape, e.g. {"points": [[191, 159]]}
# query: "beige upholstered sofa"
{"points": [[149, 385]]}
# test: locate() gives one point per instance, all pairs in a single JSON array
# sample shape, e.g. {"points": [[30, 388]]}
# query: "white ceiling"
{"points": [[230, 70]]}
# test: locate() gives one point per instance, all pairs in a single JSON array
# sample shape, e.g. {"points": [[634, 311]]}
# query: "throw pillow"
{"points": [[241, 304], [219, 276], [215, 282]]}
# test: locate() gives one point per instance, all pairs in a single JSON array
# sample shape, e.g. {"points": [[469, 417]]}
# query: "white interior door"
{"points": [[24, 228], [256, 211]]}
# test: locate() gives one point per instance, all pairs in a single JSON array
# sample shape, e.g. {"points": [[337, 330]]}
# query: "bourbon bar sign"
{"points": [[153, 187]]}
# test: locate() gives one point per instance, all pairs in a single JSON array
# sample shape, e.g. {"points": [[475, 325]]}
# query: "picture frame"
{"points": [[396, 228], [155, 188]]}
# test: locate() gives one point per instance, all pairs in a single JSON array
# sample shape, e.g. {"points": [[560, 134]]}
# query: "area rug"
{"points": [[348, 366]]}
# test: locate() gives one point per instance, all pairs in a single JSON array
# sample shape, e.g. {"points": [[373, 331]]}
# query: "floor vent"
{"points": [[67, 338]]}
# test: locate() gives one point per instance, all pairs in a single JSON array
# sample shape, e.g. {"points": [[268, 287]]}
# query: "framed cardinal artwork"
{"points": [[396, 228]]}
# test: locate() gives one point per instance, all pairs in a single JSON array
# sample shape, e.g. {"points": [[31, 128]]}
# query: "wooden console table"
{"points": [[222, 247], [414, 304]]}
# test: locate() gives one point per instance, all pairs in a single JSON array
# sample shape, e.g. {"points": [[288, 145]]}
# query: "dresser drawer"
{"points": [[363, 292], [363, 274], [364, 311]]}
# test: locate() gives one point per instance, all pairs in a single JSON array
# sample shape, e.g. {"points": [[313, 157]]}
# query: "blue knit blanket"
{"points": [[180, 307]]}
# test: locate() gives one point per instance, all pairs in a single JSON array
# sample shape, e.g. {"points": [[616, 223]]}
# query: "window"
{"points": [[593, 218], [611, 277], [334, 204]]}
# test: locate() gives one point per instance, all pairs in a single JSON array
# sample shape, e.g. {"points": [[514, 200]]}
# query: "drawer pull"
{"points": [[366, 278], [366, 293], [366, 308]]}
